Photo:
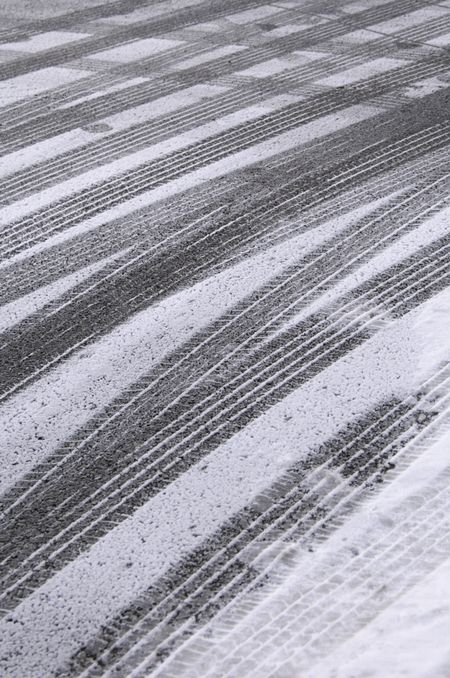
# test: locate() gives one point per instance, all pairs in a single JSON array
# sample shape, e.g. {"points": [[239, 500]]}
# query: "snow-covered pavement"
{"points": [[225, 338]]}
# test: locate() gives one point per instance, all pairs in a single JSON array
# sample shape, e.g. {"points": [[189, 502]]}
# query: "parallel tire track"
{"points": [[300, 503], [243, 169], [183, 446]]}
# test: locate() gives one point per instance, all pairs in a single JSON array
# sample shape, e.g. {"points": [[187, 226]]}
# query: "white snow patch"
{"points": [[358, 37], [209, 56], [19, 309], [110, 90], [432, 334], [42, 41], [356, 73], [250, 15], [287, 29], [409, 20], [24, 86], [422, 88], [162, 106], [305, 56], [362, 5], [145, 13], [133, 51], [408, 640], [44, 150], [267, 68], [440, 40]]}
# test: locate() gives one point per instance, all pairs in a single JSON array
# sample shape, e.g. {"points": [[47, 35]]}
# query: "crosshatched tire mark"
{"points": [[289, 511], [130, 292], [286, 376], [373, 571], [335, 303]]}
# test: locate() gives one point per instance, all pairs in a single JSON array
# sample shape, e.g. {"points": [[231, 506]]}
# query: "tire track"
{"points": [[300, 503], [339, 148], [39, 269], [159, 171], [415, 542], [61, 121], [320, 139], [74, 18], [39, 103], [136, 137], [207, 11], [292, 368], [125, 291]]}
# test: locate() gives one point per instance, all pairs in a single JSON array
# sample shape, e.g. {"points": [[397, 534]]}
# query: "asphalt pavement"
{"points": [[225, 338]]}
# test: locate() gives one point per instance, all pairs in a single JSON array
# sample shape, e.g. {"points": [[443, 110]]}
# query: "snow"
{"points": [[250, 15], [356, 73], [440, 40], [19, 309], [359, 37], [62, 400], [267, 68], [132, 51], [208, 56], [409, 20], [145, 13], [101, 92], [367, 595], [305, 56], [432, 333], [43, 41], [128, 162], [362, 5], [410, 638], [287, 29], [67, 141], [24, 86]]}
